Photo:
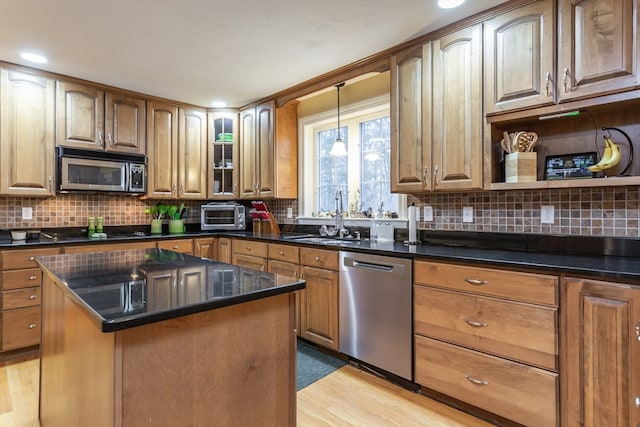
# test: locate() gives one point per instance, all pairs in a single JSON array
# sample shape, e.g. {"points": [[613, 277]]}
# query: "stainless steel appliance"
{"points": [[222, 216], [375, 305], [86, 170]]}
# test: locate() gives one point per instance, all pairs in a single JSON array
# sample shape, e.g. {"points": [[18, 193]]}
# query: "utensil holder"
{"points": [[521, 166]]}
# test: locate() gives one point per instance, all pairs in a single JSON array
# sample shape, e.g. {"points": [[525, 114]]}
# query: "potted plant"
{"points": [[171, 212]]}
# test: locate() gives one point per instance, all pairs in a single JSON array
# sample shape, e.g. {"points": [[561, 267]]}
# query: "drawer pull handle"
{"points": [[31, 258], [638, 330], [476, 282], [176, 247], [637, 401], [32, 325], [281, 252], [476, 381], [475, 324], [33, 277], [34, 296], [317, 258]]}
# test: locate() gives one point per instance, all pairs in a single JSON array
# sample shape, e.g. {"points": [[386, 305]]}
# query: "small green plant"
{"points": [[162, 211]]}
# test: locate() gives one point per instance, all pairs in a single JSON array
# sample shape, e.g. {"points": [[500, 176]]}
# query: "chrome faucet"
{"points": [[338, 228]]}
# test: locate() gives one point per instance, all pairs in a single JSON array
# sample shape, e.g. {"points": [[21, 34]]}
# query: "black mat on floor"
{"points": [[313, 365]]}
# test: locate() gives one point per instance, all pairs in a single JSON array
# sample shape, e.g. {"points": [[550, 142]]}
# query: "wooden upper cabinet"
{"points": [[192, 154], [457, 118], [27, 129], [410, 155], [87, 118], [223, 154], [600, 351], [125, 120], [162, 150], [599, 47], [519, 58], [268, 151]]}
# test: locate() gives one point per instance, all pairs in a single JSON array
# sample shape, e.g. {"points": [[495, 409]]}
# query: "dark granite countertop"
{"points": [[124, 289]]}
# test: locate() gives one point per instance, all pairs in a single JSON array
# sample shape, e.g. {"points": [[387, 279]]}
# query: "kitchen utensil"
{"points": [[33, 234], [506, 142], [18, 235]]}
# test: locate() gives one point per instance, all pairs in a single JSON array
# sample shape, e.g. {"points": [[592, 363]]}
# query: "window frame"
{"points": [[309, 126]]}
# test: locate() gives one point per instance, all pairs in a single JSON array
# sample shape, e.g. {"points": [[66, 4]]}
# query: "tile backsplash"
{"points": [[607, 211]]}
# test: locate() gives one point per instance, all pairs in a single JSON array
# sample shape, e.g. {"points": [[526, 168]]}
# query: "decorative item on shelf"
{"points": [[612, 155], [268, 224], [520, 162]]}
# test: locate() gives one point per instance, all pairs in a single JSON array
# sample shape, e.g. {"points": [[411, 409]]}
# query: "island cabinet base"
{"points": [[233, 366]]}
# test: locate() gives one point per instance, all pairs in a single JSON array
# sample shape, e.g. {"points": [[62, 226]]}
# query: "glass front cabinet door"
{"points": [[223, 154]]}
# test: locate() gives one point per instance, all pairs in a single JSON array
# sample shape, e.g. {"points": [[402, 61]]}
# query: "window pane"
{"points": [[375, 158], [332, 170]]}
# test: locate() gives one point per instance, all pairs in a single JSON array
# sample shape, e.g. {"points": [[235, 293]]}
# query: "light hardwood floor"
{"points": [[346, 397]]}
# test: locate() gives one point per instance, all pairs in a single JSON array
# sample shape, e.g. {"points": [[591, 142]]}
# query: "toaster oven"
{"points": [[222, 216]]}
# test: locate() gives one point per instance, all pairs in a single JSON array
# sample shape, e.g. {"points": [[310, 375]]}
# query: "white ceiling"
{"points": [[196, 51]]}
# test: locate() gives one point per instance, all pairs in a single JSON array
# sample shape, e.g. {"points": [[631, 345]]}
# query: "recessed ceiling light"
{"points": [[218, 104], [33, 57], [449, 4]]}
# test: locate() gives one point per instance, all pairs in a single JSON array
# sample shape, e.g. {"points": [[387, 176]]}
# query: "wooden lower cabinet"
{"points": [[249, 254], [205, 247], [510, 389], [489, 338], [319, 299], [600, 360], [108, 247], [178, 245], [20, 283], [290, 267], [224, 250]]}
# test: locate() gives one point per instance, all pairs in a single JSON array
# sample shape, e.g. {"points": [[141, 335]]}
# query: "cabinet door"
{"points": [[410, 155], [248, 160], [223, 154], [457, 110], [125, 124], [518, 58], [26, 134], [224, 250], [265, 148], [80, 116], [291, 270], [192, 154], [601, 348], [249, 261], [319, 307], [205, 247], [598, 47], [162, 150]]}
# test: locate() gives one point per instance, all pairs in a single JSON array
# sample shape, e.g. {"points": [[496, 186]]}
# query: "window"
{"points": [[364, 176]]}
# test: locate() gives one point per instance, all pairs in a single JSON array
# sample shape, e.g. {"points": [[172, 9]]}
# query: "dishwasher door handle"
{"points": [[372, 266]]}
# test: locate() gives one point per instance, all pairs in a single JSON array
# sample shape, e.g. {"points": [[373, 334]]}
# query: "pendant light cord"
{"points": [[338, 86]]}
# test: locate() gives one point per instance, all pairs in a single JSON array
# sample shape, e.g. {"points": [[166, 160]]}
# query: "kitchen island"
{"points": [[158, 338]]}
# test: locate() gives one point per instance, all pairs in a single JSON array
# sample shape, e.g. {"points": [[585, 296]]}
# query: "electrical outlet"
{"points": [[27, 213], [428, 214], [547, 214], [289, 213], [467, 214]]}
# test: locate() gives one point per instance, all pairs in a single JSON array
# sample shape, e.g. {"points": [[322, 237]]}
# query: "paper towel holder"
{"points": [[412, 225]]}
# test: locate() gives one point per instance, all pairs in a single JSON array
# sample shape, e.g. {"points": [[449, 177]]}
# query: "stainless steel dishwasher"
{"points": [[375, 306]]}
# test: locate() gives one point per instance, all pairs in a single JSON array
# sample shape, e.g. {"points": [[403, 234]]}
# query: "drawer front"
{"points": [[247, 247], [16, 279], [518, 392], [180, 245], [249, 261], [519, 331], [109, 247], [286, 253], [15, 259], [19, 298], [319, 258], [20, 327], [527, 287]]}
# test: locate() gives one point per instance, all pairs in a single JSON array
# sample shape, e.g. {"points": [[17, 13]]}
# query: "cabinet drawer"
{"points": [[527, 287], [15, 259], [19, 298], [286, 253], [15, 279], [20, 327], [519, 331], [320, 258], [247, 247], [180, 245], [518, 392]]}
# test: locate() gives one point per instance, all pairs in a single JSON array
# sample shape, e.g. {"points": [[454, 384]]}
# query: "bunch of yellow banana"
{"points": [[610, 157]]}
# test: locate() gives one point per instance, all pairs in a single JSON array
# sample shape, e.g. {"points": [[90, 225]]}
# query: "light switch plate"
{"points": [[467, 214], [27, 213], [547, 214], [428, 213]]}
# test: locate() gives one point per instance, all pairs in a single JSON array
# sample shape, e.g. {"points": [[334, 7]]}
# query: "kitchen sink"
{"points": [[329, 241]]}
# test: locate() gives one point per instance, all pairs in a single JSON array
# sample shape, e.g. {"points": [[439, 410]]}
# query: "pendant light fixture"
{"points": [[339, 149]]}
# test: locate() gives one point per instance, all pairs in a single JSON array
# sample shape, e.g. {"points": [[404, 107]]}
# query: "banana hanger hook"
{"points": [[608, 135]]}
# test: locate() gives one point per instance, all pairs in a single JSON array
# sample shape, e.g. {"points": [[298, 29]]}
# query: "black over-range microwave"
{"points": [[86, 170]]}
